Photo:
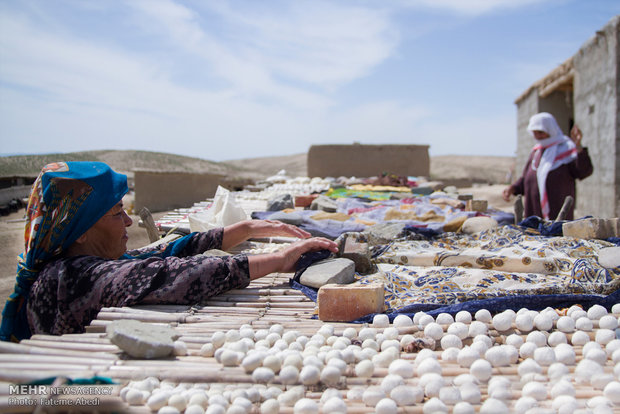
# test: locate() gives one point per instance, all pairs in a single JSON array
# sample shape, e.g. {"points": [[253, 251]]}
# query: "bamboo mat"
{"points": [[266, 302]]}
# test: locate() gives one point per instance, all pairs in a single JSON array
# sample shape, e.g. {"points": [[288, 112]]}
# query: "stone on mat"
{"points": [[592, 228], [324, 203], [356, 248], [477, 205], [382, 233], [344, 303], [142, 340], [304, 200], [280, 202], [338, 270], [288, 218], [478, 224]]}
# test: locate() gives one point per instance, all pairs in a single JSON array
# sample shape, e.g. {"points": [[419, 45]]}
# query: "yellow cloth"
{"points": [[368, 187], [330, 216]]}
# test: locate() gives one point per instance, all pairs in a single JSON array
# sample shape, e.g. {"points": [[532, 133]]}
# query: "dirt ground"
{"points": [[12, 234]]}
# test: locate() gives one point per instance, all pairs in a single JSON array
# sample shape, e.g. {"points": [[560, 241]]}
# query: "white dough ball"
{"points": [[616, 309], [586, 369], [401, 367], [434, 406], [463, 407], [556, 338], [536, 390], [444, 319], [364, 369], [289, 374], [335, 405], [503, 321], [450, 355], [494, 406], [306, 406], [372, 395], [599, 382], [580, 338], [355, 394], [566, 324], [597, 355], [543, 322], [557, 370], [483, 315], [391, 332], [562, 387], [470, 392], [481, 369], [407, 395], [514, 340], [527, 350], [425, 320], [539, 338], [477, 328], [451, 341], [169, 410], [596, 312], [402, 321], [497, 356], [390, 381], [544, 355], [270, 406], [428, 365], [612, 392], [310, 375], [524, 322], [450, 395], [467, 356], [381, 320], [529, 366], [584, 324], [604, 336], [463, 316], [386, 406], [524, 404], [194, 409], [177, 401], [263, 375], [330, 375], [565, 354], [459, 329], [433, 330]]}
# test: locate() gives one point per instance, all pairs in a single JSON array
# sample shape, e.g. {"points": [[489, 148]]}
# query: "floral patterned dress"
{"points": [[70, 291]]}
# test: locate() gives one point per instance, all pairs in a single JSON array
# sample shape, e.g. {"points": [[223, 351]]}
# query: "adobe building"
{"points": [[368, 160], [585, 90]]}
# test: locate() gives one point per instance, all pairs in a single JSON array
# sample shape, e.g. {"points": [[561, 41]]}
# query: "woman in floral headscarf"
{"points": [[75, 260], [555, 162]]}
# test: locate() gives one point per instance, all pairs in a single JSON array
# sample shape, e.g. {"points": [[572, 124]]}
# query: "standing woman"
{"points": [[555, 163], [75, 260]]}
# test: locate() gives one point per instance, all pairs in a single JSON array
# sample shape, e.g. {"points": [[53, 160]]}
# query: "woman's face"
{"points": [[540, 134], [108, 237]]}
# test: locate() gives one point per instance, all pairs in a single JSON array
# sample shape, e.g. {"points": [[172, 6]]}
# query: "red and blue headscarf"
{"points": [[67, 198]]}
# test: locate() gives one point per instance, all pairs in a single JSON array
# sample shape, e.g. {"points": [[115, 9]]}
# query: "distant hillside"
{"points": [[122, 161], [461, 169]]}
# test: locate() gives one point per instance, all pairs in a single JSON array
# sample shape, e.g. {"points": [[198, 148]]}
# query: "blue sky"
{"points": [[224, 80]]}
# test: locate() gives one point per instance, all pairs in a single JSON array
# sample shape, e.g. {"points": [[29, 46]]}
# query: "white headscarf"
{"points": [[558, 149]]}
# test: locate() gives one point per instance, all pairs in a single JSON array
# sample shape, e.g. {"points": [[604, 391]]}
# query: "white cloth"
{"points": [[557, 150]]}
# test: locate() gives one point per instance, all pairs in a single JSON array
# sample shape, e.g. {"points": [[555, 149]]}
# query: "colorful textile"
{"points": [[365, 194], [65, 201], [71, 291], [505, 261]]}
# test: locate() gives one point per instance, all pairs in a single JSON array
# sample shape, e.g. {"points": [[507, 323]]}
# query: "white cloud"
{"points": [[469, 7]]}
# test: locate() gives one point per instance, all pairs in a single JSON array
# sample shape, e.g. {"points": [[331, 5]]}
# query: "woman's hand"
{"points": [[285, 260], [576, 136], [508, 191], [248, 229]]}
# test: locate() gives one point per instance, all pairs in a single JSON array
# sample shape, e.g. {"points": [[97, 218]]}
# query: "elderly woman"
{"points": [[75, 260], [555, 163]]}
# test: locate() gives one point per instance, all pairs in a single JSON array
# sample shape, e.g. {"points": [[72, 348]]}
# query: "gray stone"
{"points": [[382, 233], [281, 202], [288, 218], [423, 190], [609, 257], [592, 228], [324, 203], [338, 270], [477, 224], [142, 340], [354, 246]]}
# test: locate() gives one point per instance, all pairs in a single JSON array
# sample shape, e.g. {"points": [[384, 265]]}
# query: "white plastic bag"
{"points": [[224, 211]]}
